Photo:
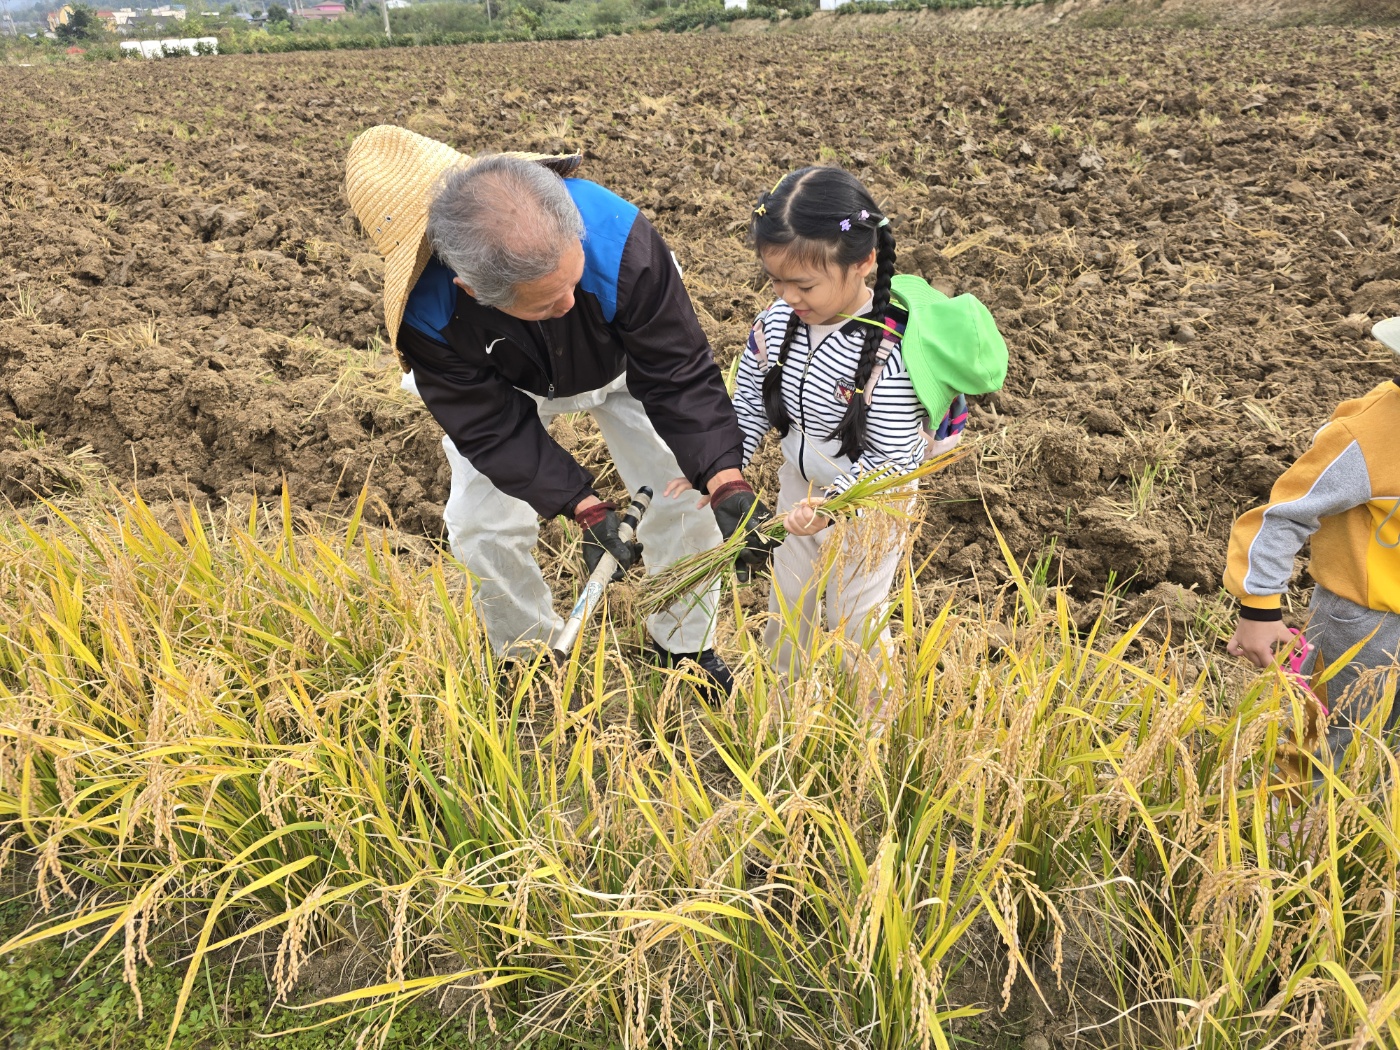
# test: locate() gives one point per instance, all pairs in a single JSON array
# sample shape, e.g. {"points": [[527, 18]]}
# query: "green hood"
{"points": [[950, 346]]}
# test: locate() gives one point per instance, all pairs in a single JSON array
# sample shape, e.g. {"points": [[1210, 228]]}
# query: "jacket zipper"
{"points": [[548, 367], [802, 406], [802, 400]]}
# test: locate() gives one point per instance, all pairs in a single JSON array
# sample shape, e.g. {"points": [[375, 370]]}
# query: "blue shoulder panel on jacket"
{"points": [[432, 302], [607, 223]]}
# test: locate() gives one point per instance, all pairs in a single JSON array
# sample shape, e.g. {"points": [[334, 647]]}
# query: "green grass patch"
{"points": [[51, 1000]]}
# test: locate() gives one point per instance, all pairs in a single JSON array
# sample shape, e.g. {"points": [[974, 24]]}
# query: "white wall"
{"points": [[741, 4], [154, 48]]}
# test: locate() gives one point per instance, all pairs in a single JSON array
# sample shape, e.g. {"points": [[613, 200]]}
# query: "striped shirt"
{"points": [[818, 384]]}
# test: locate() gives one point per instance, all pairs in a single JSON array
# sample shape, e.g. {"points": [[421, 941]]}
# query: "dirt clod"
{"points": [[1100, 420]]}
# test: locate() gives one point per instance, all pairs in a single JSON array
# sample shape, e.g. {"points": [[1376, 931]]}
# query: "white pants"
{"points": [[493, 534], [850, 582]]}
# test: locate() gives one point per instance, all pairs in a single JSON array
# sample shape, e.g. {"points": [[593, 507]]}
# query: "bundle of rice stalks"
{"points": [[884, 491]]}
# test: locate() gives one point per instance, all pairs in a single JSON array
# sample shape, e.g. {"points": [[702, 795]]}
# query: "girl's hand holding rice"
{"points": [[805, 519]]}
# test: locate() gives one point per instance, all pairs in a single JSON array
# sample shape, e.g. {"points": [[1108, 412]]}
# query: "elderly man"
{"points": [[530, 295]]}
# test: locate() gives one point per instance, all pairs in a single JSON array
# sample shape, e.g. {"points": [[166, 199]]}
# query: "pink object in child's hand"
{"points": [[1296, 657]]}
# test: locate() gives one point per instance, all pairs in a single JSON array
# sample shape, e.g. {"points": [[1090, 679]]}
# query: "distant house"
{"points": [[328, 11], [396, 5], [107, 18], [742, 5], [122, 16], [172, 11], [59, 18]]}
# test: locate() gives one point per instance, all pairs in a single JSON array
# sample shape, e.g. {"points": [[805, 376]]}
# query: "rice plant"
{"points": [[270, 732]]}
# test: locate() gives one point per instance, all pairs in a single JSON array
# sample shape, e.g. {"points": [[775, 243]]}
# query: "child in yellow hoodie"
{"points": [[1344, 493]]}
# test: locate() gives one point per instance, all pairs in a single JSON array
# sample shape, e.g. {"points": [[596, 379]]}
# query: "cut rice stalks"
{"points": [[883, 491]]}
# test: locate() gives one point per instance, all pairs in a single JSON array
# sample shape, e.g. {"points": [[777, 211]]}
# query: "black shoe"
{"points": [[721, 682]]}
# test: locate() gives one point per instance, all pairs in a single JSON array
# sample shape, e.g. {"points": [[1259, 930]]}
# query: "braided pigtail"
{"points": [[773, 403], [850, 432]]}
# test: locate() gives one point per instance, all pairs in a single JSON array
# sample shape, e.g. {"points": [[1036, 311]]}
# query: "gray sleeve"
{"points": [[1344, 483]]}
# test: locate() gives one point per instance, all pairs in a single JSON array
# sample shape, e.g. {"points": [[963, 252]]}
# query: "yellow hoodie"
{"points": [[1345, 494]]}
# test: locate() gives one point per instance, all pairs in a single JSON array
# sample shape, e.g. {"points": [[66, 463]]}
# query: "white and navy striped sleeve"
{"points": [[748, 393], [894, 427]]}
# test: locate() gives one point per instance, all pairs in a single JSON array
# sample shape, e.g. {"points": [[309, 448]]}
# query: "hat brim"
{"points": [[1388, 332], [389, 177]]}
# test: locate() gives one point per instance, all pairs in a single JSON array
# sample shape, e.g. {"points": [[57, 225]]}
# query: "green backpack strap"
{"points": [[950, 346]]}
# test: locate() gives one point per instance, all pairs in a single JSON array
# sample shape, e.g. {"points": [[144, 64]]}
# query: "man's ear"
{"points": [[464, 286]]}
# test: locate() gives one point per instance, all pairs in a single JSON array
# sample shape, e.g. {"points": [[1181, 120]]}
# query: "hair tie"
{"points": [[861, 216], [762, 208]]}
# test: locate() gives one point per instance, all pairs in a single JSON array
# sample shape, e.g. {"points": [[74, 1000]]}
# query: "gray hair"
{"points": [[500, 223]]}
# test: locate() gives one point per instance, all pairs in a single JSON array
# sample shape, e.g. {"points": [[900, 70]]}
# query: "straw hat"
{"points": [[389, 174], [1388, 332]]}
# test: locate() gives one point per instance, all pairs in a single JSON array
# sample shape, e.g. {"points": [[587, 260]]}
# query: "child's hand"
{"points": [[1261, 642], [804, 519], [677, 486]]}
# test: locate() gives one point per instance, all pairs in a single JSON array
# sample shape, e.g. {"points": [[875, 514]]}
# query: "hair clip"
{"points": [[846, 225], [884, 221], [864, 215], [762, 209]]}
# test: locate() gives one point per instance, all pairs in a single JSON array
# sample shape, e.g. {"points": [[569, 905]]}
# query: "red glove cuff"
{"points": [[728, 489], [590, 516]]}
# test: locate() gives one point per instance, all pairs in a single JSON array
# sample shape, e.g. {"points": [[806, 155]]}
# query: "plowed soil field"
{"points": [[1184, 236]]}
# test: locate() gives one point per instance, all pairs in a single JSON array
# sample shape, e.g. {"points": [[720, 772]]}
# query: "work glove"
{"points": [[736, 506], [600, 524]]}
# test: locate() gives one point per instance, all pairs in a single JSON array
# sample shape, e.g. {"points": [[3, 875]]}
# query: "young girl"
{"points": [[823, 368]]}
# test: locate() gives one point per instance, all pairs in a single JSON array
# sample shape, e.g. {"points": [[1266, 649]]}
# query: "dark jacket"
{"points": [[631, 313]]}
